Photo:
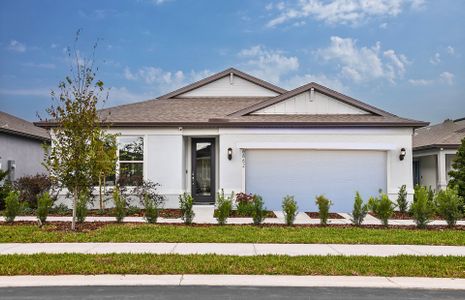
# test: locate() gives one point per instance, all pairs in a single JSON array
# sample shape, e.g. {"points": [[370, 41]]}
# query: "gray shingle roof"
{"points": [[448, 134], [14, 125]]}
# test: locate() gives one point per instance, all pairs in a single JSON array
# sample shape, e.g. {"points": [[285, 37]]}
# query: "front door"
{"points": [[203, 170]]}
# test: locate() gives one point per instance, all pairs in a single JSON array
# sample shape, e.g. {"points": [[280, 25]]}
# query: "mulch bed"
{"points": [[234, 214], [316, 215], [397, 215], [168, 213]]}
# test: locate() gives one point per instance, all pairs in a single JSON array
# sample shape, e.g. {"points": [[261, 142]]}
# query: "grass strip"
{"points": [[232, 234], [60, 264]]}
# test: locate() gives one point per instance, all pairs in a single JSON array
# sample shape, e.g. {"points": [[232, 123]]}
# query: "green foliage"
{"points": [[148, 188], [244, 204], [382, 207], [422, 209], [402, 203], [120, 204], [448, 205], [457, 173], [290, 208], [61, 209], [224, 207], [12, 206], [32, 186], [44, 204], [150, 210], [360, 210], [81, 207], [323, 204], [258, 210], [5, 187], [186, 202], [133, 210]]}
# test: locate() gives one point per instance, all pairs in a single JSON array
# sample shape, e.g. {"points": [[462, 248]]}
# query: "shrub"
{"points": [[5, 188], [422, 208], [148, 188], [151, 210], [44, 204], [12, 206], [81, 208], [32, 186], [60, 209], [457, 172], [133, 210], [382, 207], [402, 199], [244, 204], [289, 207], [186, 202], [360, 210], [120, 205], [448, 205], [224, 207], [323, 204], [258, 210]]}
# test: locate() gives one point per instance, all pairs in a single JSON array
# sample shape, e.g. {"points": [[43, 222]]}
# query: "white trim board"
{"points": [[318, 146]]}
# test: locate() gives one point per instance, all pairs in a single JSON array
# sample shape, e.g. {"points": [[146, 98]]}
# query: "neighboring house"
{"points": [[434, 149], [21, 152], [234, 132]]}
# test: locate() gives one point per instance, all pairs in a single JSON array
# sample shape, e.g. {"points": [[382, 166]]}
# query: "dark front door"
{"points": [[203, 170]]}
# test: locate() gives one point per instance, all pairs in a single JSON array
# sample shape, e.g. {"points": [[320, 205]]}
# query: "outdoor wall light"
{"points": [[402, 154], [229, 153]]}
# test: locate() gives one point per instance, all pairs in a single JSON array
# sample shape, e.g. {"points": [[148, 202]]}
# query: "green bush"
{"points": [[448, 205], [402, 203], [323, 204], [44, 204], [382, 207], [244, 204], [133, 210], [290, 208], [31, 186], [422, 209], [120, 205], [60, 209], [224, 207], [258, 210], [151, 210], [12, 206], [186, 202], [360, 210], [81, 208]]}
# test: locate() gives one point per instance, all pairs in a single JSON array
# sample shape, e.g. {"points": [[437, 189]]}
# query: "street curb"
{"points": [[234, 280]]}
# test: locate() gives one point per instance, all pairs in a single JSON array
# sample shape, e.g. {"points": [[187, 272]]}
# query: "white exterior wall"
{"points": [[428, 171], [232, 173]]}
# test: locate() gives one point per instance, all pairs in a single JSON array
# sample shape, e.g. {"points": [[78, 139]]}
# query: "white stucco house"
{"points": [[235, 132], [434, 150]]}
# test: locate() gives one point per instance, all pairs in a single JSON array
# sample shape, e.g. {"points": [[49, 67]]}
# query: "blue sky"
{"points": [[404, 56]]}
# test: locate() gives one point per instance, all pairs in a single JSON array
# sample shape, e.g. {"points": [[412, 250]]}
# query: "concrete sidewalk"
{"points": [[239, 249], [234, 280]]}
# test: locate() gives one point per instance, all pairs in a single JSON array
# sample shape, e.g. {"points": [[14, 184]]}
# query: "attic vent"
{"points": [[231, 78], [312, 94]]}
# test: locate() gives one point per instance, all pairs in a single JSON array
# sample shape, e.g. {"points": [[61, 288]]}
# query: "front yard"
{"points": [[103, 232]]}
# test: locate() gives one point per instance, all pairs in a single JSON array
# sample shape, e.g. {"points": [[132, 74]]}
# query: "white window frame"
{"points": [[143, 161]]}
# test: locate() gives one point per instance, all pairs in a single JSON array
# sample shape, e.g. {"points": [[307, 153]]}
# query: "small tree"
{"points": [[12, 206], [119, 202], [422, 208], [186, 203], [382, 207], [5, 187], [448, 204], [323, 204], [402, 199], [258, 210], [360, 210], [224, 207], [44, 204], [290, 208], [457, 173]]}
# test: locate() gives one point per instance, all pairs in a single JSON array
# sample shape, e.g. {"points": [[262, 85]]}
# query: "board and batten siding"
{"points": [[230, 87], [310, 103]]}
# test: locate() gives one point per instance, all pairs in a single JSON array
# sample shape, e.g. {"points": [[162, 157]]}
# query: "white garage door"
{"points": [[305, 174]]}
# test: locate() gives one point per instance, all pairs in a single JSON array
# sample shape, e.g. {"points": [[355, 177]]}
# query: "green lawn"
{"points": [[232, 234], [57, 264]]}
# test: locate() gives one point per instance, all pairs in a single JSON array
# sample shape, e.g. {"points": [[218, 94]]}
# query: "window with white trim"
{"points": [[130, 160]]}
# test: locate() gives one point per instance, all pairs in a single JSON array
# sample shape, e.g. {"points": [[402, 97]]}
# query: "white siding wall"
{"points": [[224, 87], [305, 104]]}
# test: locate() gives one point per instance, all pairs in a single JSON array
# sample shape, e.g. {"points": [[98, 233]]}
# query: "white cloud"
{"points": [[267, 63], [39, 65], [421, 82], [351, 12], [436, 59], [16, 46], [364, 63], [383, 25], [299, 80], [159, 2], [53, 45], [447, 78], [450, 50]]}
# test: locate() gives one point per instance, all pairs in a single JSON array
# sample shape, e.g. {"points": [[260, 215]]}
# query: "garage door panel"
{"points": [[308, 173]]}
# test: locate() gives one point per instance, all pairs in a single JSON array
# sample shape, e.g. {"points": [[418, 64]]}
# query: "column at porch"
{"points": [[442, 176]]}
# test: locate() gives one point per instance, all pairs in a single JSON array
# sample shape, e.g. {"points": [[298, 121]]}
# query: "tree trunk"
{"points": [[100, 191], [75, 199]]}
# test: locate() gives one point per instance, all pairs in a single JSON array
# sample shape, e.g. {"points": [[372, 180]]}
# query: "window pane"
{"points": [[130, 173], [131, 148]]}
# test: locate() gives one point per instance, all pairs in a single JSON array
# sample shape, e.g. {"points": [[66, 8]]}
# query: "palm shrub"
{"points": [[323, 204], [422, 209], [244, 204], [186, 202], [44, 204], [382, 207], [258, 210], [120, 204], [81, 207], [360, 210], [402, 203], [290, 208], [448, 205], [224, 207], [12, 206], [151, 210]]}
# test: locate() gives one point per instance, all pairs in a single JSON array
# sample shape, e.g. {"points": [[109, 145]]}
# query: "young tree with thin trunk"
{"points": [[457, 173]]}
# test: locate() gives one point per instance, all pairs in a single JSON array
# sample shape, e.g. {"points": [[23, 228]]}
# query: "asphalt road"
{"points": [[230, 293]]}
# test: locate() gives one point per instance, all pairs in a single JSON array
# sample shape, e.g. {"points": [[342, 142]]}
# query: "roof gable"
{"points": [[228, 83], [16, 126]]}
